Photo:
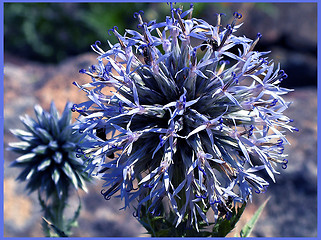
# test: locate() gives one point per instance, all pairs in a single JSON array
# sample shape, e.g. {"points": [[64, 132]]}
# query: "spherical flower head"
{"points": [[48, 152], [194, 113]]}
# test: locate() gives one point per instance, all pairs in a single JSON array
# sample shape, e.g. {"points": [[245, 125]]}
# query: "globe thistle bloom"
{"points": [[48, 153], [193, 115]]}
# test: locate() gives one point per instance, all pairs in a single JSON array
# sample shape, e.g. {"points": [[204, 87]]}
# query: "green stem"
{"points": [[151, 227], [54, 213], [58, 210]]}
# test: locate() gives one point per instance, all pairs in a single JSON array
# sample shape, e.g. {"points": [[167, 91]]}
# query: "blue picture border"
{"points": [[59, 1]]}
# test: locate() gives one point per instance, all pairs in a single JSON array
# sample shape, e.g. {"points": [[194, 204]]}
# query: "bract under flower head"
{"points": [[188, 120]]}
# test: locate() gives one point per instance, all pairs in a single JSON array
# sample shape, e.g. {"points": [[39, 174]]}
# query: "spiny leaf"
{"points": [[56, 229], [224, 226], [247, 229]]}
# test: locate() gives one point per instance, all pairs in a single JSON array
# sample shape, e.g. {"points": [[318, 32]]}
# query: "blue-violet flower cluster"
{"points": [[186, 113], [47, 147]]}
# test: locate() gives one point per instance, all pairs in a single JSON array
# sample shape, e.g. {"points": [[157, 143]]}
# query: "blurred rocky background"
{"points": [[47, 43]]}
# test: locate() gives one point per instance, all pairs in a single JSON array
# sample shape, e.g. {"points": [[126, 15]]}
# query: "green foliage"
{"points": [[54, 223], [46, 224], [223, 225], [51, 32], [161, 226], [247, 229]]}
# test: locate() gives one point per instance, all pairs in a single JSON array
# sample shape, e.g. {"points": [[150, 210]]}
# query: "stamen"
{"points": [[74, 107], [112, 30], [235, 78], [224, 62], [285, 162], [237, 15], [228, 32], [258, 37], [180, 21], [202, 170], [79, 150], [219, 18], [161, 140], [152, 22], [275, 160], [135, 14], [120, 107], [281, 75], [285, 76], [251, 131], [193, 57], [281, 150], [273, 103], [97, 43], [256, 66], [135, 215], [221, 123], [204, 196], [280, 142], [197, 196], [215, 202], [105, 194], [191, 12]]}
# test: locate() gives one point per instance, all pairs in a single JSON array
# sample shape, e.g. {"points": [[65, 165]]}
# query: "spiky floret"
{"points": [[189, 120], [48, 152]]}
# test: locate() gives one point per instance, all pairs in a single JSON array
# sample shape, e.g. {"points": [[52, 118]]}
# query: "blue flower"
{"points": [[50, 156], [187, 121]]}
